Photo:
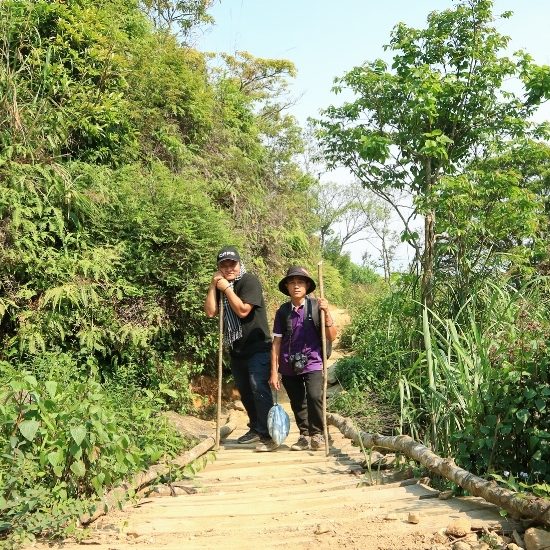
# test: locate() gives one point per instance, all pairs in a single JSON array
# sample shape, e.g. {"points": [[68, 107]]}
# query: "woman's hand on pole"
{"points": [[323, 304]]}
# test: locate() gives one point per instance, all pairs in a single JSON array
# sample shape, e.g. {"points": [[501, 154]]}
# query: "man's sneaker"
{"points": [[301, 445], [249, 437], [266, 445], [317, 442]]}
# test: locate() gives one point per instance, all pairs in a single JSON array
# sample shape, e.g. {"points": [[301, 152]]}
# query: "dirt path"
{"points": [[304, 500]]}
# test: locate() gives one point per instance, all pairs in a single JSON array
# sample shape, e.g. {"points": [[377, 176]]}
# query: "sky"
{"points": [[325, 39]]}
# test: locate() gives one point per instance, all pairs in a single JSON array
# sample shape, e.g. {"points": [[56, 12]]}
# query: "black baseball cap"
{"points": [[228, 253], [297, 271]]}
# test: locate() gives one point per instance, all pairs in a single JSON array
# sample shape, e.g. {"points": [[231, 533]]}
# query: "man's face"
{"points": [[230, 269], [297, 286]]}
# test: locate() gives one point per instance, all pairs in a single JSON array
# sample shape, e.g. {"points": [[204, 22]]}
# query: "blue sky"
{"points": [[325, 39]]}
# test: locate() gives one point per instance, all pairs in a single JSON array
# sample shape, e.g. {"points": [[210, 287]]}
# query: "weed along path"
{"points": [[295, 499]]}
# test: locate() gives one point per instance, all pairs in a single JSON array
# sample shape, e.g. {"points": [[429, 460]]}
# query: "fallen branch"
{"points": [[115, 497], [519, 505]]}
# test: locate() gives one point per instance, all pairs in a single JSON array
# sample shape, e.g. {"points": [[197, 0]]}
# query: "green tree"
{"points": [[252, 169], [494, 218], [442, 103]]}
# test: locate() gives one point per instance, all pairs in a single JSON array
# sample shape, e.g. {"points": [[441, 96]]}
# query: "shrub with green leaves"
{"points": [[127, 288], [381, 338], [513, 417], [475, 387], [355, 372], [366, 409], [65, 441], [480, 389]]}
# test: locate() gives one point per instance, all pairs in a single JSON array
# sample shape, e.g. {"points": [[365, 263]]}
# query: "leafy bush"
{"points": [[121, 291], [480, 390], [381, 338], [354, 372], [513, 417], [65, 441], [475, 387]]}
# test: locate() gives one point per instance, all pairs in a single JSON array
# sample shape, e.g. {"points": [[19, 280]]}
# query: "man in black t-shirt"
{"points": [[247, 335]]}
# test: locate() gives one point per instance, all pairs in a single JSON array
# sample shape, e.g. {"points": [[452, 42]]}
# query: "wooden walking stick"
{"points": [[324, 349], [220, 367]]}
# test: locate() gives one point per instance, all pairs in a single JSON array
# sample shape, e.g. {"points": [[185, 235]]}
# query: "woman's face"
{"points": [[230, 269], [297, 286]]}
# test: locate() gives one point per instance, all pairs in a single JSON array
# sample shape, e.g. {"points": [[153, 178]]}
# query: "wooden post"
{"points": [[220, 368], [324, 349]]}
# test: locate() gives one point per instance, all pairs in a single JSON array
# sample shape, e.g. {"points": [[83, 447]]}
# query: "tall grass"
{"points": [[440, 392], [480, 384]]}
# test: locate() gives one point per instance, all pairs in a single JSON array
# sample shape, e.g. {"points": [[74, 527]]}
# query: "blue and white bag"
{"points": [[278, 423]]}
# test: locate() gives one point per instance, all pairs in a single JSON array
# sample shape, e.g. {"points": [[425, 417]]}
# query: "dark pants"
{"points": [[251, 375], [305, 392]]}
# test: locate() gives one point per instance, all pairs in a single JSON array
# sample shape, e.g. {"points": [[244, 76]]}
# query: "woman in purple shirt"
{"points": [[297, 355]]}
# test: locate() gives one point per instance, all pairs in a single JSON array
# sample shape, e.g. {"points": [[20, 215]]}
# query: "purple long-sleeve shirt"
{"points": [[305, 339]]}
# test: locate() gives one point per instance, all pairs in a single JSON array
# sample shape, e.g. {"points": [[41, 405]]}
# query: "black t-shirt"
{"points": [[256, 336]]}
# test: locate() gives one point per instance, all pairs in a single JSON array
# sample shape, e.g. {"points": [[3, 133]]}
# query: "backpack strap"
{"points": [[314, 314], [286, 310]]}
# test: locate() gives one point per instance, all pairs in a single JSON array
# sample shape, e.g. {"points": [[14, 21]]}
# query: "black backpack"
{"points": [[312, 314]]}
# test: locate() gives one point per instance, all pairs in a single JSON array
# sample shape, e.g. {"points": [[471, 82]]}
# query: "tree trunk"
{"points": [[385, 259], [118, 495], [427, 290], [426, 286], [517, 504]]}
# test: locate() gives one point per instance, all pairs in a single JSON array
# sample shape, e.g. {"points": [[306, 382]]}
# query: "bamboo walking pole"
{"points": [[220, 367], [324, 349]]}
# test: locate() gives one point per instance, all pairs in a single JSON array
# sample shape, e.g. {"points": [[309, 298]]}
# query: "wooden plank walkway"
{"points": [[285, 498]]}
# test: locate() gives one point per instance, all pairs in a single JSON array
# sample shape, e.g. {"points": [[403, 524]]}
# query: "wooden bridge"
{"points": [[296, 499]]}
